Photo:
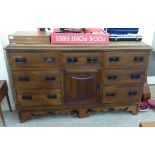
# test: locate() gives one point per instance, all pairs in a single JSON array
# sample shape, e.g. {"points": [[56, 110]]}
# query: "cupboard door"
{"points": [[82, 86]]}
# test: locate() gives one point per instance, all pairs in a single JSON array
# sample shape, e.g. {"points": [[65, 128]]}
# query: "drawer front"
{"points": [[114, 94], [38, 97], [119, 76], [125, 59], [90, 59], [35, 59], [36, 79]]}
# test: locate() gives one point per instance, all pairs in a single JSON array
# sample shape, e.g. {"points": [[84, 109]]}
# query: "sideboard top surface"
{"points": [[111, 45]]}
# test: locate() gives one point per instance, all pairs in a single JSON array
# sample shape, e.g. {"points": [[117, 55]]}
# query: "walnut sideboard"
{"points": [[65, 79]]}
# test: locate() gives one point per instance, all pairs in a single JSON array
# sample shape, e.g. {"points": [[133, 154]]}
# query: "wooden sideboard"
{"points": [[77, 78]]}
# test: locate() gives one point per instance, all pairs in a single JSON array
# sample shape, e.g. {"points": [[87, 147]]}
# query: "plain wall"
{"points": [[153, 42], [4, 76], [29, 15]]}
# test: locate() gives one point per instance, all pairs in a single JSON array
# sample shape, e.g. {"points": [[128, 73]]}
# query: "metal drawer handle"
{"points": [[138, 58], [112, 94], [114, 58], [112, 77], [92, 59], [23, 78], [20, 60], [52, 96], [50, 78], [72, 59], [27, 97], [83, 78], [49, 60], [135, 76], [132, 93]]}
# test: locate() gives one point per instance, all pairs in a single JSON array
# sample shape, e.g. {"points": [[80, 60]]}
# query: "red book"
{"points": [[79, 38]]}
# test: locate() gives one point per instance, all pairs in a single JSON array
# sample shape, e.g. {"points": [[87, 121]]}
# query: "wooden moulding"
{"points": [[81, 113]]}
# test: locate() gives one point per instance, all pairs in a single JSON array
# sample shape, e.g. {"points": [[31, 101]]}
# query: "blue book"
{"points": [[122, 30]]}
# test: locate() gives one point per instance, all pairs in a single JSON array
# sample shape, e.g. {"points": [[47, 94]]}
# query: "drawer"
{"points": [[128, 93], [125, 59], [37, 79], [39, 97], [90, 58], [119, 76], [34, 59]]}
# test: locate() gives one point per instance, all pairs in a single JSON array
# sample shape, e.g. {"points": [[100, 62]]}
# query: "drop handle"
{"points": [[138, 58], [135, 76], [49, 60], [114, 59], [83, 78], [27, 97], [72, 59], [50, 78], [92, 59], [51, 96], [111, 94], [24, 78], [20, 60], [132, 93], [112, 77]]}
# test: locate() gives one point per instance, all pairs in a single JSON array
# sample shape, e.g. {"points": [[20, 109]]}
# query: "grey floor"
{"points": [[104, 119]]}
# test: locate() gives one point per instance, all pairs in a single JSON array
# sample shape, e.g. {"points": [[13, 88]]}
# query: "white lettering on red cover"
{"points": [[62, 38], [79, 38], [96, 38]]}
